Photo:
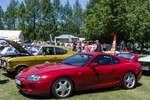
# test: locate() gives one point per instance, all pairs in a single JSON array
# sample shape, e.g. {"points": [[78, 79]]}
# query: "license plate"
{"points": [[18, 82]]}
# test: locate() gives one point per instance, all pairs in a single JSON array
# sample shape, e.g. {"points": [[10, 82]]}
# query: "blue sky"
{"points": [[5, 3]]}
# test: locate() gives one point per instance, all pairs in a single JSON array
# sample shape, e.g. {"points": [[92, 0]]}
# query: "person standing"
{"points": [[122, 46], [98, 46]]}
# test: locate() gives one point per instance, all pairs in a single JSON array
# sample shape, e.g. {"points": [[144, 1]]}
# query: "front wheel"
{"points": [[62, 88], [129, 80]]}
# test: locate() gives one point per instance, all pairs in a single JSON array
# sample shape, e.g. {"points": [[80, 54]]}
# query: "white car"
{"points": [[145, 62], [9, 51]]}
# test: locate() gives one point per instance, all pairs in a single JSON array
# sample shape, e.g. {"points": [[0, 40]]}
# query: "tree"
{"points": [[91, 3], [1, 19], [129, 19], [96, 19], [66, 19], [58, 10], [22, 17], [11, 15], [78, 16], [32, 17], [47, 19]]}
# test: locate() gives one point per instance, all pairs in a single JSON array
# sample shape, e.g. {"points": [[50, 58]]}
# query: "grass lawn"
{"points": [[8, 91]]}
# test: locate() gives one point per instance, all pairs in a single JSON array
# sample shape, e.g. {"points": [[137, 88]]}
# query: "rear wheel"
{"points": [[129, 81], [62, 88]]}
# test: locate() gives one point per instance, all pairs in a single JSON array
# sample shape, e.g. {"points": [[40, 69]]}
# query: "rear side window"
{"points": [[128, 56], [60, 51], [48, 50]]}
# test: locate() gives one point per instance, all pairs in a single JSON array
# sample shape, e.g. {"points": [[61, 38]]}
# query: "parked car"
{"points": [[145, 62], [81, 71], [13, 49], [3, 44], [46, 54], [9, 52]]}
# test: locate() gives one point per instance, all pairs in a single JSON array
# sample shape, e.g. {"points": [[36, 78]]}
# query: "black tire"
{"points": [[56, 92], [129, 81], [19, 69]]}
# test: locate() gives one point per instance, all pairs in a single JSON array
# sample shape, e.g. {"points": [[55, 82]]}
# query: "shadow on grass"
{"points": [[4, 81], [32, 96], [99, 90], [9, 75], [103, 90]]}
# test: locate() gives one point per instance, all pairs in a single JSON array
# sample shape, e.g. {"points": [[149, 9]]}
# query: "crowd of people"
{"points": [[86, 46], [94, 46]]}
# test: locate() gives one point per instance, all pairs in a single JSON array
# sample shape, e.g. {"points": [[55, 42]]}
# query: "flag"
{"points": [[113, 48]]}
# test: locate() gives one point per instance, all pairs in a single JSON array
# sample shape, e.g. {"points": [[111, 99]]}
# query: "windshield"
{"points": [[77, 60]]}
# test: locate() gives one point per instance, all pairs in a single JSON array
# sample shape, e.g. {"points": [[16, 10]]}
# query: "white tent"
{"points": [[12, 35], [66, 38]]}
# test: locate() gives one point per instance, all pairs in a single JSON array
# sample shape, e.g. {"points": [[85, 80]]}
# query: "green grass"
{"points": [[8, 91]]}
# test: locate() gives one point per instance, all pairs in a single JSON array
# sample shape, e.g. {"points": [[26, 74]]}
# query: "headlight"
{"points": [[34, 78]]}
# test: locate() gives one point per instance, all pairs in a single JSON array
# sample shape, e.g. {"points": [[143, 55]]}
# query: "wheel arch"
{"points": [[64, 76], [20, 65]]}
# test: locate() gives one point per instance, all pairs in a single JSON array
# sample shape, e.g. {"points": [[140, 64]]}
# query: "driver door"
{"points": [[106, 70]]}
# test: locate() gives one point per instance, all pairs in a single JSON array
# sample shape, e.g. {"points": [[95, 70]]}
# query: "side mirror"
{"points": [[93, 64]]}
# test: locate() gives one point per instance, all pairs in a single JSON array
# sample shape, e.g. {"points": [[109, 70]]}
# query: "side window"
{"points": [[115, 60], [48, 50], [60, 51], [106, 60], [103, 60]]}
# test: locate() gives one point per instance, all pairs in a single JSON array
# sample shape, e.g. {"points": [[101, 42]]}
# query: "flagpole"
{"points": [[113, 49]]}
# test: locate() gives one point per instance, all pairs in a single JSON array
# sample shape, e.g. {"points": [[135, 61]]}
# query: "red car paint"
{"points": [[84, 77]]}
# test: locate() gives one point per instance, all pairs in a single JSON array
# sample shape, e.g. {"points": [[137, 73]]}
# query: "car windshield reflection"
{"points": [[77, 60]]}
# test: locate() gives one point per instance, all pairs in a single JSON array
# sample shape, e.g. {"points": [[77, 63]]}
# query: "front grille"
{"points": [[145, 63]]}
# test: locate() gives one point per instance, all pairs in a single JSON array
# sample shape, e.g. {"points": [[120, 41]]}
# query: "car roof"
{"points": [[95, 53]]}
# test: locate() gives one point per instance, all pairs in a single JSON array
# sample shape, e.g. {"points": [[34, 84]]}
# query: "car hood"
{"points": [[17, 46], [145, 59], [42, 69]]}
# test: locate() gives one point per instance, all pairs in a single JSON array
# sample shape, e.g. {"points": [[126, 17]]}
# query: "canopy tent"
{"points": [[12, 35], [66, 38]]}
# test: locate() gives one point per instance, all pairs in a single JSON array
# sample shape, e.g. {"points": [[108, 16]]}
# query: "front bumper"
{"points": [[33, 88], [145, 65]]}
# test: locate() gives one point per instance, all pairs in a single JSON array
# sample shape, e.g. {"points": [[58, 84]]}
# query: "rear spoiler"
{"points": [[129, 56]]}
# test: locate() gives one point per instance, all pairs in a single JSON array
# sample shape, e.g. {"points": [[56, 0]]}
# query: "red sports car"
{"points": [[81, 71]]}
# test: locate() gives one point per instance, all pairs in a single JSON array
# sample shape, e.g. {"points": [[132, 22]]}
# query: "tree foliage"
{"points": [[1, 19], [129, 19], [40, 18]]}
